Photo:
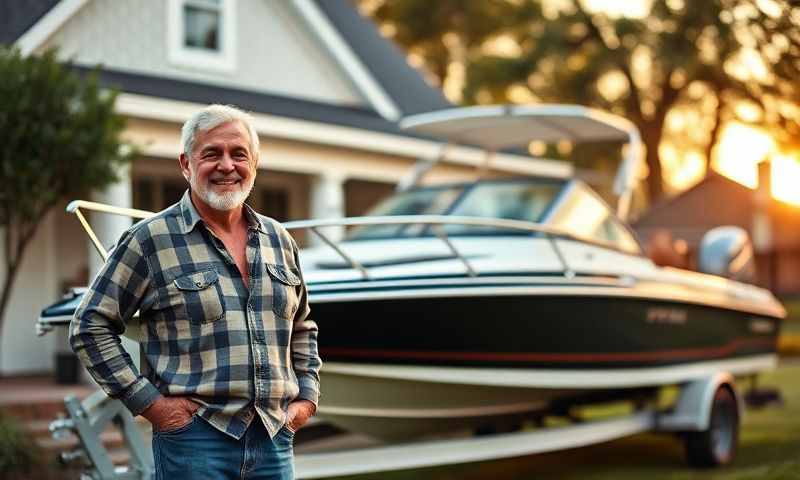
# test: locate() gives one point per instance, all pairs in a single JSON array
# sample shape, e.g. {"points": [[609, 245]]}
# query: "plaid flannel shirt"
{"points": [[204, 334]]}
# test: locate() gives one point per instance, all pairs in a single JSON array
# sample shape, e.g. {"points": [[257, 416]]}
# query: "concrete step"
{"points": [[111, 438], [36, 398], [41, 427], [39, 410]]}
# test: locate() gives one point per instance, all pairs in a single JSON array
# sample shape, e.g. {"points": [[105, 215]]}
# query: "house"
{"points": [[325, 89], [774, 226]]}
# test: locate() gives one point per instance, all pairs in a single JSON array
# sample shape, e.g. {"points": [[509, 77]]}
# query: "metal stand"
{"points": [[87, 420]]}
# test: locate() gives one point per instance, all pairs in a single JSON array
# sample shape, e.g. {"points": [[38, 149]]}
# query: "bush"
{"points": [[18, 452]]}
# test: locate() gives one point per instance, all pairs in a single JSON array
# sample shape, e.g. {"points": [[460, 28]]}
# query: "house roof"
{"points": [[384, 61], [17, 17], [714, 201], [258, 102]]}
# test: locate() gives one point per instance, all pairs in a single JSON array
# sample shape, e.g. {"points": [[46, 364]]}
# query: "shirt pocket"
{"points": [[285, 299], [201, 294]]}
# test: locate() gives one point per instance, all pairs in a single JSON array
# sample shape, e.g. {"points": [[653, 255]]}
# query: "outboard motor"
{"points": [[728, 252]]}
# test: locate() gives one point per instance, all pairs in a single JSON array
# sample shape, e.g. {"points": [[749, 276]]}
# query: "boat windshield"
{"points": [[513, 200], [429, 201], [509, 200]]}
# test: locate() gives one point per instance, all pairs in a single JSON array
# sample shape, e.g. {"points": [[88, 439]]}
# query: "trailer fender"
{"points": [[692, 412]]}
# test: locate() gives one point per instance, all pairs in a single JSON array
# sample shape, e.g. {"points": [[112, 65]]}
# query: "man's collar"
{"points": [[253, 220], [191, 217]]}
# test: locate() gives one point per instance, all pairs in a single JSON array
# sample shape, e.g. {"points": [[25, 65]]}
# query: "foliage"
{"points": [[699, 61], [58, 139], [18, 453]]}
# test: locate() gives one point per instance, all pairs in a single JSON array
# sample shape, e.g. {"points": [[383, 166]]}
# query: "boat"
{"points": [[477, 306]]}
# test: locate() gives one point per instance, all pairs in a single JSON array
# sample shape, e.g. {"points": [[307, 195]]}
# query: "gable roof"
{"points": [[384, 59], [18, 17], [377, 67], [714, 201]]}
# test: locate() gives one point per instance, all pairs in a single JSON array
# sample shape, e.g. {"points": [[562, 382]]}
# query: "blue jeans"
{"points": [[199, 451]]}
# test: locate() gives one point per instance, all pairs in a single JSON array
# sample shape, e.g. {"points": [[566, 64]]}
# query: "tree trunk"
{"points": [[715, 133], [12, 266], [8, 285], [651, 137]]}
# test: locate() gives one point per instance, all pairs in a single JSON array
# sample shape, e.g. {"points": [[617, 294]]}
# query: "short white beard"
{"points": [[225, 201]]}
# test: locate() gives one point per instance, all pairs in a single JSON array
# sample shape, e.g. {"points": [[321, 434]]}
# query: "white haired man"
{"points": [[230, 364]]}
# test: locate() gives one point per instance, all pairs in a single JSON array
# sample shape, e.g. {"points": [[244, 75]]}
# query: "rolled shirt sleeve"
{"points": [[118, 291]]}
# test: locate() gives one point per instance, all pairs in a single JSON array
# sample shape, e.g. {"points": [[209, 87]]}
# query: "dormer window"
{"points": [[202, 34]]}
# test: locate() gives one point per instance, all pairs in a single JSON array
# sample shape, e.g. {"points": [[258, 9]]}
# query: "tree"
{"points": [[59, 138], [698, 62]]}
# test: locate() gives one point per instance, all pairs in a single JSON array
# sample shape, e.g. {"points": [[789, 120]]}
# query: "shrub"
{"points": [[18, 452]]}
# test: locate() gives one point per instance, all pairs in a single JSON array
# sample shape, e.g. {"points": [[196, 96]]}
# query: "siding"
{"points": [[276, 53]]}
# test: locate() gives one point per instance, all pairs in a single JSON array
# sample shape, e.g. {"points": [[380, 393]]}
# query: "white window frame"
{"points": [[199, 59]]}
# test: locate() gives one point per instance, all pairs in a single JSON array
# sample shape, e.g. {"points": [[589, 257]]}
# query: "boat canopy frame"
{"points": [[500, 127]]}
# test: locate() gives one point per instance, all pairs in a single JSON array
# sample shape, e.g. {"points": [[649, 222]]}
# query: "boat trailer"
{"points": [[706, 413]]}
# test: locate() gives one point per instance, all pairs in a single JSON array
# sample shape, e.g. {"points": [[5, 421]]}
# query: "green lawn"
{"points": [[769, 448], [792, 323]]}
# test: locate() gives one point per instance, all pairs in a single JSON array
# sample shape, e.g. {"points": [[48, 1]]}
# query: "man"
{"points": [[229, 358]]}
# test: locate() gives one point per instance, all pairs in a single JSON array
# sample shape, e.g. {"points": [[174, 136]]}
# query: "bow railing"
{"points": [[437, 223]]}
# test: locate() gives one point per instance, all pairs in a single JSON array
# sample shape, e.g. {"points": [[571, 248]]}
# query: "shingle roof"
{"points": [[17, 17], [715, 201], [384, 59]]}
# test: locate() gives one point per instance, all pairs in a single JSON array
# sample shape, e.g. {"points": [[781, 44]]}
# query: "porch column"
{"points": [[327, 201], [109, 228]]}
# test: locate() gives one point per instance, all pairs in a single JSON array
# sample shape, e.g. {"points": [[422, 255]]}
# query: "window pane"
{"points": [[275, 204], [172, 192], [201, 28], [584, 216], [617, 235], [143, 194]]}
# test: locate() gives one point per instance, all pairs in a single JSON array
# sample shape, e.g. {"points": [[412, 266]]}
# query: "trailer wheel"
{"points": [[716, 446]]}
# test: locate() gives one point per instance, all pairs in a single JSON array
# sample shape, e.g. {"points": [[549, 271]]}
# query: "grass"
{"points": [[769, 449], [790, 330]]}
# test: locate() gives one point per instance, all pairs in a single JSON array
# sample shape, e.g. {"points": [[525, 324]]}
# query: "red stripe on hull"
{"points": [[676, 354]]}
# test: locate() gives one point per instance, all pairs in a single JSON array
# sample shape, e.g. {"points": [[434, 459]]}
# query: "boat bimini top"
{"points": [[500, 127]]}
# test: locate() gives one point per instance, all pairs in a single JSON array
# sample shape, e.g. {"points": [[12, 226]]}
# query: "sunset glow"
{"points": [[739, 151], [786, 179], [737, 156]]}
